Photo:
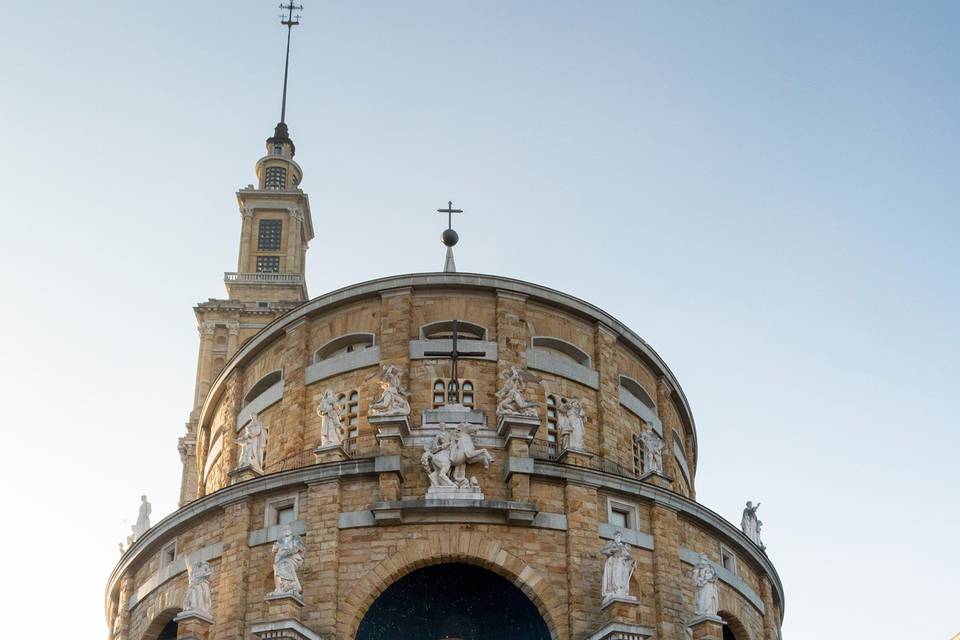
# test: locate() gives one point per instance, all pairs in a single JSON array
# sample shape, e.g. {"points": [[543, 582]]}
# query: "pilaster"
{"points": [[187, 448], [204, 361], [396, 306], [583, 564], [321, 588], [294, 402], [771, 622], [608, 395], [233, 398], [230, 603], [123, 624], [667, 573], [513, 337]]}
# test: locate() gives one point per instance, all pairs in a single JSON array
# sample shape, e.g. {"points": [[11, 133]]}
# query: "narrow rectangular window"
{"points": [[286, 515], [619, 518], [268, 264], [275, 178], [270, 232]]}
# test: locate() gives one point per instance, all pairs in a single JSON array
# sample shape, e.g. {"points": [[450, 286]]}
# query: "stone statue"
{"points": [[652, 450], [618, 569], [393, 399], [750, 525], [198, 599], [143, 522], [572, 423], [706, 601], [451, 450], [331, 413], [287, 558], [253, 444], [511, 395]]}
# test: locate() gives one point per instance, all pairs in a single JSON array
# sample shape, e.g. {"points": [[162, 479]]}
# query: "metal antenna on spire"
{"points": [[289, 21]]}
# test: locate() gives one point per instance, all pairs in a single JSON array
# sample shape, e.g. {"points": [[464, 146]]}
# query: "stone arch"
{"points": [[446, 547], [736, 626], [159, 621]]}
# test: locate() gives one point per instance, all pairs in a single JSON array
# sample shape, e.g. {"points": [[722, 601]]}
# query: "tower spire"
{"points": [[289, 21]]}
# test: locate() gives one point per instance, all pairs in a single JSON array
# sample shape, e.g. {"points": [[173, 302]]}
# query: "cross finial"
{"points": [[449, 211], [449, 237], [289, 21]]}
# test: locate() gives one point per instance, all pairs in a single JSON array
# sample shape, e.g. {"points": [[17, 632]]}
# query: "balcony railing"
{"points": [[263, 278]]}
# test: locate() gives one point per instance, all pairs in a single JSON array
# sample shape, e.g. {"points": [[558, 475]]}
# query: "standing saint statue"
{"points": [[652, 450], [331, 413], [749, 523], [572, 423], [706, 601], [253, 444], [198, 599], [287, 559], [143, 521], [511, 394], [618, 568], [393, 399]]}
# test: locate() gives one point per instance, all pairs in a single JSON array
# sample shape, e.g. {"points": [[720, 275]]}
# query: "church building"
{"points": [[429, 456]]}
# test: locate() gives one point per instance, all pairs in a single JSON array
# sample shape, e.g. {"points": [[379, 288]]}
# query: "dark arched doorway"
{"points": [[452, 601], [169, 631]]}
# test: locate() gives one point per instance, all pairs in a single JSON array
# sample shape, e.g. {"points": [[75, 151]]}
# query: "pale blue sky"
{"points": [[766, 192]]}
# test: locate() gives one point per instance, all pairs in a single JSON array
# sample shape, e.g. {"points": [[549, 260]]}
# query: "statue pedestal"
{"points": [[331, 453], [575, 457], [621, 615], [454, 493], [620, 606], [707, 628], [657, 478], [193, 625], [284, 606], [244, 473], [512, 426], [283, 630], [391, 431]]}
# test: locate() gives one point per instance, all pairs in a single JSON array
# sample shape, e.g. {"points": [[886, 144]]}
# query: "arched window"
{"points": [[439, 394], [552, 433], [350, 405], [347, 343], [446, 391], [636, 389], [444, 330], [637, 455], [262, 385], [562, 349]]}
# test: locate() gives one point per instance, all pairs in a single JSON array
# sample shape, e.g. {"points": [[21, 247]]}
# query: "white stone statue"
{"points": [[143, 522], [572, 421], [618, 568], [652, 450], [706, 600], [253, 444], [511, 394], [287, 559], [445, 459], [393, 399], [198, 599], [331, 413], [750, 524]]}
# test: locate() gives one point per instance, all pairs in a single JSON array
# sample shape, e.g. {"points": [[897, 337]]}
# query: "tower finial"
{"points": [[289, 21], [449, 237]]}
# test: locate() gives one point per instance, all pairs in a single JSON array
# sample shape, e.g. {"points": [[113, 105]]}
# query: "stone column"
{"points": [[187, 447], [230, 601], [233, 338], [608, 396], [245, 259], [293, 404], [667, 574], [206, 330], [584, 569], [322, 513]]}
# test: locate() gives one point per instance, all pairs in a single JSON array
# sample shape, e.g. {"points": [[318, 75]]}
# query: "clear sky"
{"points": [[766, 192]]}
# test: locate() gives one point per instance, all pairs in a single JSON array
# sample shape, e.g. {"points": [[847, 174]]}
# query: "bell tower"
{"points": [[276, 227]]}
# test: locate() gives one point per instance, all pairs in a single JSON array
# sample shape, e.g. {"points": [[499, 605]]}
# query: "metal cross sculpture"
{"points": [[449, 211], [453, 391]]}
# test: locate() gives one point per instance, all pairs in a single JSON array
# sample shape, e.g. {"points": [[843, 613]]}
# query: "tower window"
{"points": [[268, 238], [278, 149], [275, 178], [268, 264]]}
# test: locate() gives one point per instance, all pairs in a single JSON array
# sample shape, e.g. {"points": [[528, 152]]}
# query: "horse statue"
{"points": [[453, 448]]}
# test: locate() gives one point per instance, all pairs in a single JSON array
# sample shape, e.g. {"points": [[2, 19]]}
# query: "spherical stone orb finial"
{"points": [[449, 237]]}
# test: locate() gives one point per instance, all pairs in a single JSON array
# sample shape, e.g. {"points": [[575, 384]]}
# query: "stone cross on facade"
{"points": [[453, 392]]}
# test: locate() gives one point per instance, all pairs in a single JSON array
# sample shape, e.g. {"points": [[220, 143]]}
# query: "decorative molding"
{"points": [[271, 533], [541, 360], [632, 537], [622, 631], [336, 365]]}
